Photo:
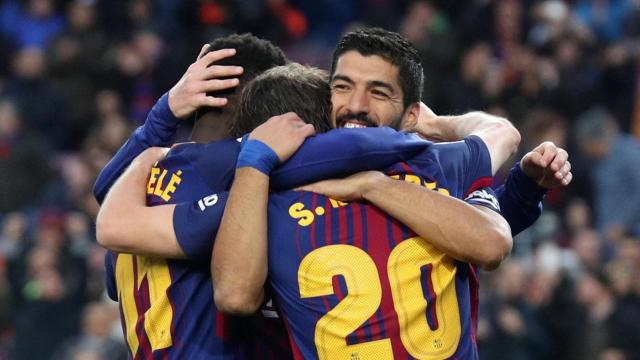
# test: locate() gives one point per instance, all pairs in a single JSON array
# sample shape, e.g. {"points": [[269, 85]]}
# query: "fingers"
{"points": [[567, 179], [211, 101], [217, 55], [559, 160], [549, 151], [221, 71], [566, 168], [216, 85], [534, 157], [203, 51]]}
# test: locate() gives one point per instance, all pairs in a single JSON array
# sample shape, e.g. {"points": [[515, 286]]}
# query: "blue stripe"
{"points": [[379, 319], [350, 233], [425, 278], [320, 221], [390, 236]]}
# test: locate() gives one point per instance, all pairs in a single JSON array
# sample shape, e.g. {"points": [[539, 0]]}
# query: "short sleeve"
{"points": [[196, 225], [484, 197]]}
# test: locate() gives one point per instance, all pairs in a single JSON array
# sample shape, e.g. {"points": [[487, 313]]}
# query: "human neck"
{"points": [[210, 129]]}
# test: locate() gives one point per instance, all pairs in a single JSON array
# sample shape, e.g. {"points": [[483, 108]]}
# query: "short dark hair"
{"points": [[289, 88], [392, 47], [255, 55]]}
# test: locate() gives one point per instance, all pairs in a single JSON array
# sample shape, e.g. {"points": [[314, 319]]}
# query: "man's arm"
{"points": [[502, 138], [465, 232], [126, 224], [543, 168], [178, 104], [239, 259]]}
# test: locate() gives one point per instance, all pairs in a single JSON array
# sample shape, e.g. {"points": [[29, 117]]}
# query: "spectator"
{"points": [[616, 175]]}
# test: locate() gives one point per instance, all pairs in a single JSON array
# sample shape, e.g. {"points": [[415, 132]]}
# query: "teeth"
{"points": [[351, 125]]}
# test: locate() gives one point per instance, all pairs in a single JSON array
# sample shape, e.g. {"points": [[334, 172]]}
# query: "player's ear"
{"points": [[410, 117]]}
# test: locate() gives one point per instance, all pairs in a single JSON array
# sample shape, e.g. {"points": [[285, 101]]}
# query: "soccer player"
{"points": [[151, 239], [166, 303], [353, 283]]}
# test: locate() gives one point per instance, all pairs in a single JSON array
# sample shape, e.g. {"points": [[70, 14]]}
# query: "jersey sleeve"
{"points": [[468, 162], [342, 152], [520, 200], [484, 197], [158, 130], [196, 225]]}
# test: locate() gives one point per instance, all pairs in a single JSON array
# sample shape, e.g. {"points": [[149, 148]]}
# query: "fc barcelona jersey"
{"points": [[354, 283], [167, 305]]}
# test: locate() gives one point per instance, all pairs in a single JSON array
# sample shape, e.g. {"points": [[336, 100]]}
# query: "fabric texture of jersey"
{"points": [[353, 283]]}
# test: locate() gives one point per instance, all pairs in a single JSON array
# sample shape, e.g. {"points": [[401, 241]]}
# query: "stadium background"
{"points": [[77, 76]]}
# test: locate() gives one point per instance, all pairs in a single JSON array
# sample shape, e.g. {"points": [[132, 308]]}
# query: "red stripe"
{"points": [[141, 296], [221, 326], [406, 168], [357, 225], [337, 289], [480, 183], [342, 226], [474, 299], [379, 251]]}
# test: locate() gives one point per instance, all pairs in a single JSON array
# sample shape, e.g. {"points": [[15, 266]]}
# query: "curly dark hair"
{"points": [[255, 55], [392, 47]]}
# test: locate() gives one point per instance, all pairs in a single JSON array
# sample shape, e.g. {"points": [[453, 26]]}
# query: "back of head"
{"points": [[255, 55], [289, 88], [394, 48]]}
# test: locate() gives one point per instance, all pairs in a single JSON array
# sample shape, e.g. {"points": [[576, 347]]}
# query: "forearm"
{"points": [[462, 231], [239, 259], [501, 138], [126, 224]]}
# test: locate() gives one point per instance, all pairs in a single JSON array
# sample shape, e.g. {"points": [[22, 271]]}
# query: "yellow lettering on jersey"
{"points": [[153, 177], [155, 185], [158, 190], [171, 187], [413, 179], [305, 217], [337, 203]]}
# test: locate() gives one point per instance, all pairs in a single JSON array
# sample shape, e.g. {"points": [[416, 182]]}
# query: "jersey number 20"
{"points": [[404, 267]]}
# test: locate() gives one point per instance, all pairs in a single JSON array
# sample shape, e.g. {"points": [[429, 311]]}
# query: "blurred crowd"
{"points": [[77, 76]]}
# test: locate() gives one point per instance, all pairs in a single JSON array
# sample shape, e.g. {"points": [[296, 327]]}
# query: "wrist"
{"points": [[371, 188], [256, 154], [166, 109], [525, 186]]}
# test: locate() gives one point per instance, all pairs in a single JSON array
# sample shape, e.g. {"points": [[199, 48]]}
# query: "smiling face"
{"points": [[365, 92]]}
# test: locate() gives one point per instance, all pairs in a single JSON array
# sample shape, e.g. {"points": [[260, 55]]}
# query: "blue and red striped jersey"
{"points": [[167, 305], [354, 283]]}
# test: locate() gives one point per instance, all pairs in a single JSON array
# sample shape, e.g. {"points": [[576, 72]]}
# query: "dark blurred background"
{"points": [[77, 76]]}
